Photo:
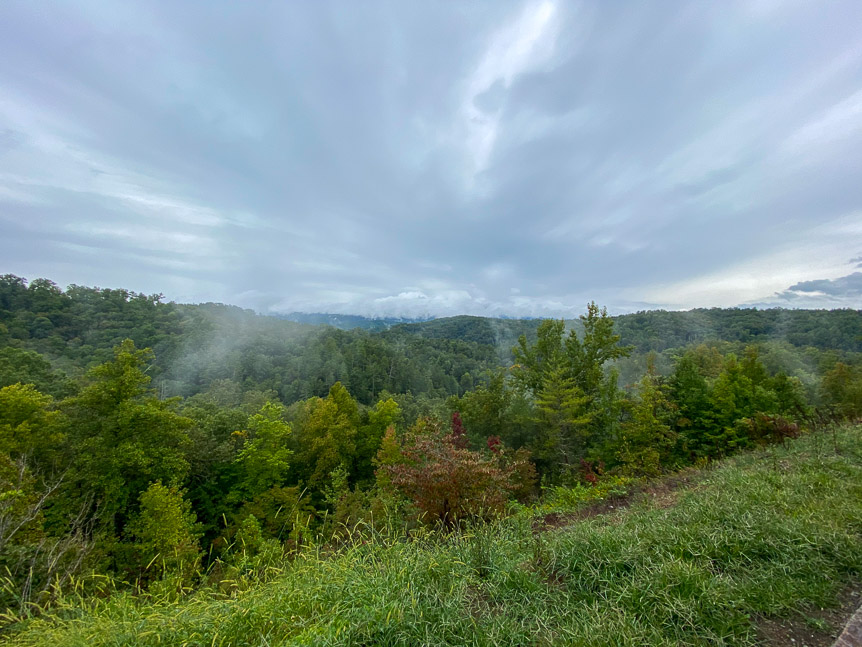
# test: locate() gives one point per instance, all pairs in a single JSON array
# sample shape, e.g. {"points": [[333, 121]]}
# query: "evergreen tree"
{"points": [[647, 439], [841, 389], [562, 417], [695, 418], [564, 364]]}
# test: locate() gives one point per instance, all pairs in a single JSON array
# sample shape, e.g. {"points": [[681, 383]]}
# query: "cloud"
{"points": [[516, 48], [813, 254], [842, 292], [515, 157], [846, 286]]}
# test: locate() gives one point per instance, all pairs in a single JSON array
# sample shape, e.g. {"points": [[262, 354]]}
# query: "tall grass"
{"points": [[763, 533]]}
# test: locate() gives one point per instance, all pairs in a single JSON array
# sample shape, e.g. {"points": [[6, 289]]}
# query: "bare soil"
{"points": [[662, 493], [812, 626]]}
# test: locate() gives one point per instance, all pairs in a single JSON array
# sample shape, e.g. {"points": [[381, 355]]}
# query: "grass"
{"points": [[764, 533], [560, 499]]}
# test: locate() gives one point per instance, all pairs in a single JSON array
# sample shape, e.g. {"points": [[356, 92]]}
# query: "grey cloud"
{"points": [[301, 155], [9, 139], [491, 99], [846, 286], [843, 292]]}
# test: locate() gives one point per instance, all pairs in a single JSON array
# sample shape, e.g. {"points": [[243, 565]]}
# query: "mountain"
{"points": [[346, 322]]}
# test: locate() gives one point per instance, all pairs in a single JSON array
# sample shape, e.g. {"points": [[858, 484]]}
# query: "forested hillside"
{"points": [[197, 345], [660, 330], [165, 445]]}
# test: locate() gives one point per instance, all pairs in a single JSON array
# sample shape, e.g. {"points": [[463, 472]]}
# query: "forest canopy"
{"points": [[150, 440]]}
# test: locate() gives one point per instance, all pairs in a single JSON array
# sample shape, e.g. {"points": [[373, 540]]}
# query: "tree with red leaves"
{"points": [[459, 438], [448, 482]]}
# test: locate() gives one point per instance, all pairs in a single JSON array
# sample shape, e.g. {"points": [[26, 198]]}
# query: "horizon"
{"points": [[431, 317], [514, 159]]}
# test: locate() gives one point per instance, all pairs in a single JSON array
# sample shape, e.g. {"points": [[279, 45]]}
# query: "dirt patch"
{"points": [[662, 493], [812, 626], [556, 520]]}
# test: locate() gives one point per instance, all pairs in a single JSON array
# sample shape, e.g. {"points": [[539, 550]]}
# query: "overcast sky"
{"points": [[404, 158]]}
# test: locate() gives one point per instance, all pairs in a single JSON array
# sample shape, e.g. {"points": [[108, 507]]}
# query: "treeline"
{"points": [[660, 330], [196, 345], [257, 436]]}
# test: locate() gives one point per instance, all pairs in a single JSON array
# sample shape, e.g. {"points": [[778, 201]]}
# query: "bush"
{"points": [[447, 482], [764, 429]]}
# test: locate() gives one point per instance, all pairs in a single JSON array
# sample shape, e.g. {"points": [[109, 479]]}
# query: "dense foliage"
{"points": [[775, 533], [165, 445], [659, 330]]}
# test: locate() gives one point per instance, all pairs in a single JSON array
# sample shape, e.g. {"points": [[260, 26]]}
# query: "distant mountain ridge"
{"points": [[653, 330], [658, 330], [348, 322]]}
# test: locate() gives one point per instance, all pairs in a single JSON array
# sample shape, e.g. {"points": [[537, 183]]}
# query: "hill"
{"points": [[196, 346], [659, 330]]}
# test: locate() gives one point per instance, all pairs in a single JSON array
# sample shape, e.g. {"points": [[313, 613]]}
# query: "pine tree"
{"points": [[561, 412], [647, 438]]}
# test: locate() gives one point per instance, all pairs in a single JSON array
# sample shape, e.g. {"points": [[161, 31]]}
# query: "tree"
{"points": [[695, 418], [733, 398], [533, 361], [448, 483], [28, 367], [789, 396], [325, 436], [126, 437], [30, 429], [647, 438], [388, 455], [494, 408], [386, 413], [165, 532], [264, 456], [763, 397], [562, 416], [587, 356], [459, 438], [284, 513], [574, 362], [214, 474], [31, 467], [36, 554], [841, 389]]}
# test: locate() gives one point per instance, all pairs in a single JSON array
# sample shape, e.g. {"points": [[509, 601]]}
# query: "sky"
{"points": [[436, 158]]}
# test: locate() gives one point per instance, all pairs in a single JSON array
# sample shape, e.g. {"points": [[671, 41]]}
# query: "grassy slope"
{"points": [[763, 533]]}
